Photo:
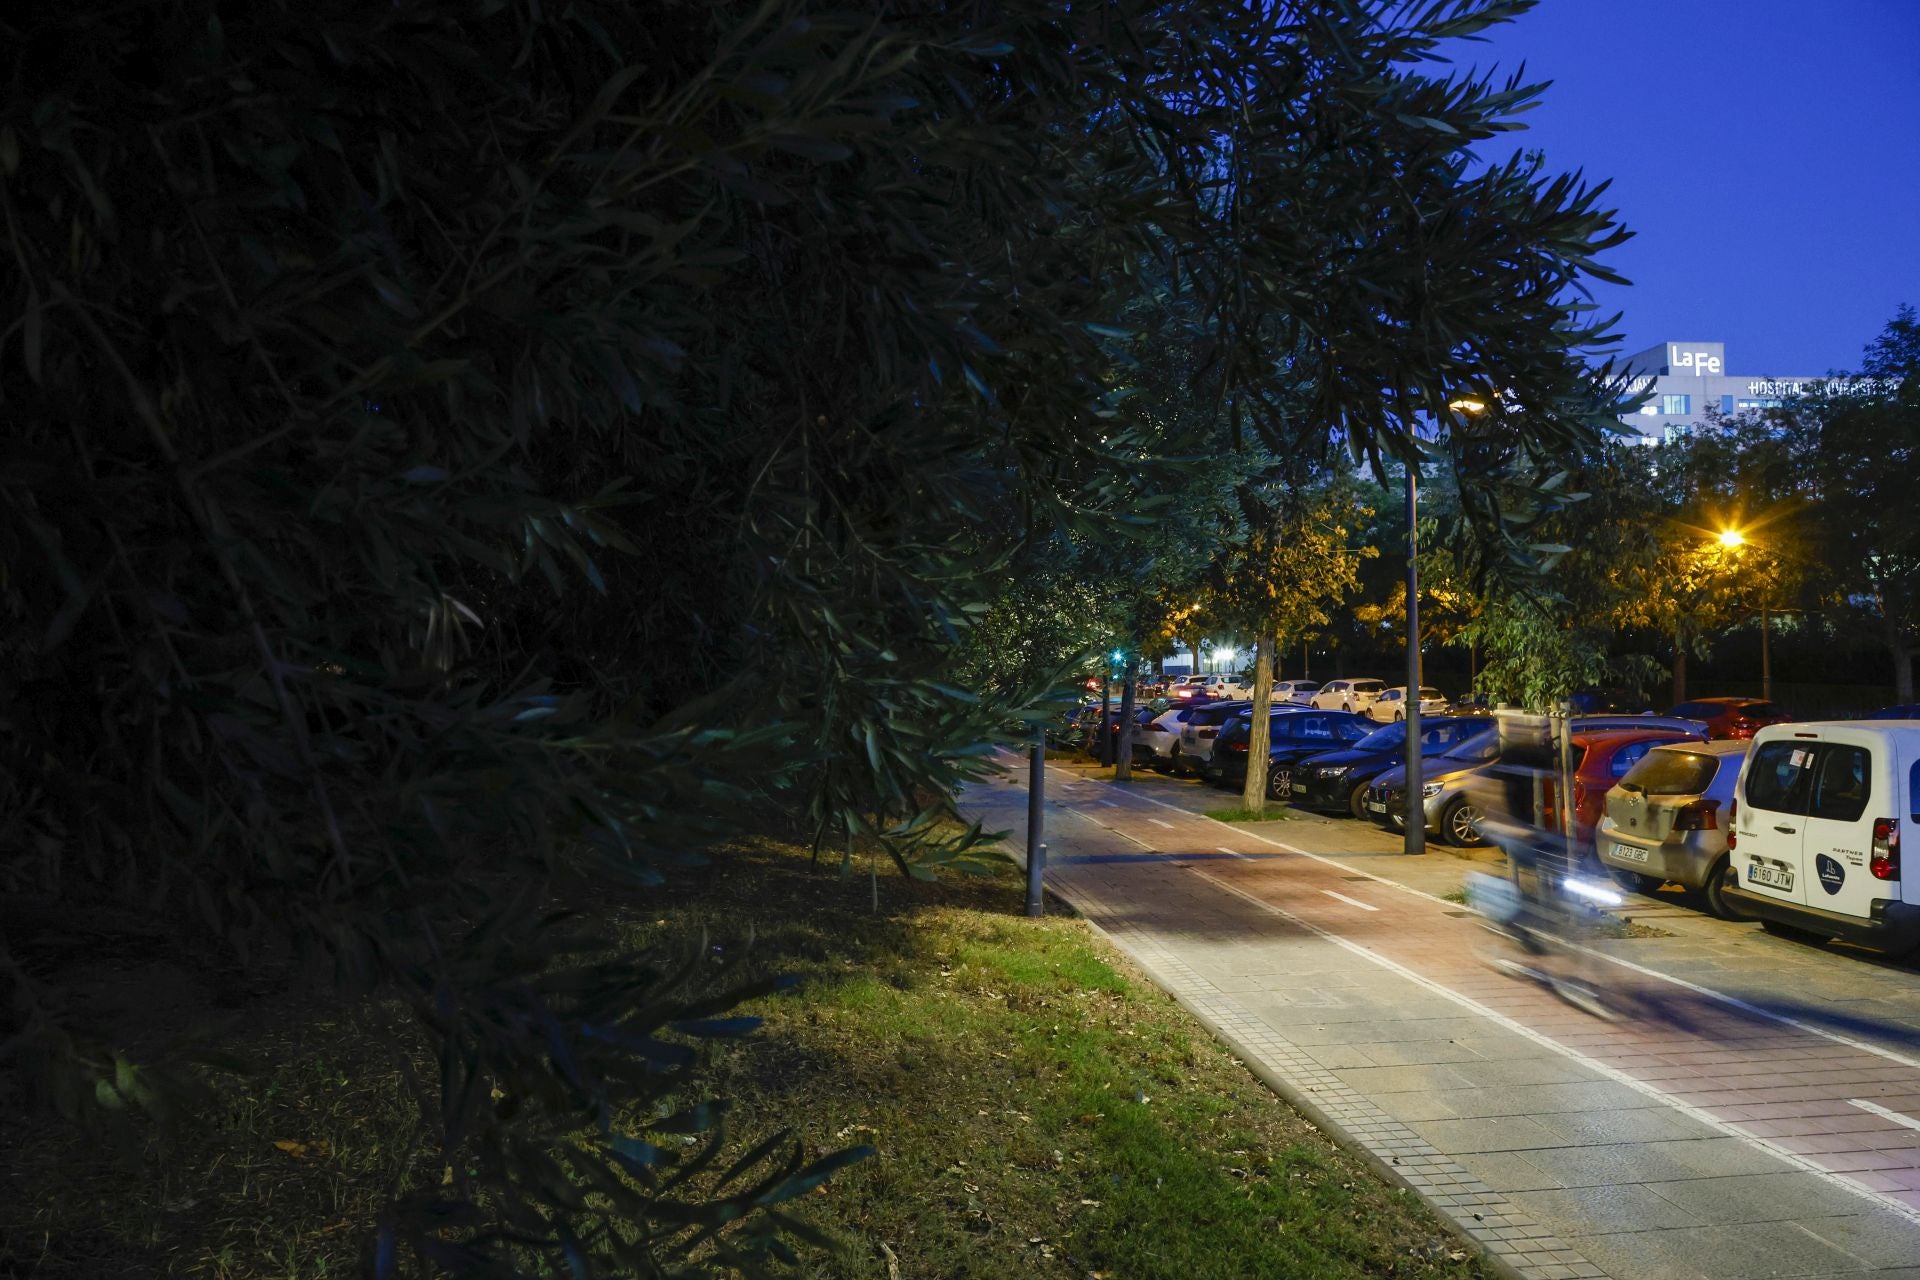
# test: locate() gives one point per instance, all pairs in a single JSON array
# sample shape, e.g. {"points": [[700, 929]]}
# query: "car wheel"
{"points": [[1458, 825], [1713, 892], [1357, 801], [1279, 784], [1398, 716], [1174, 766], [1348, 708]]}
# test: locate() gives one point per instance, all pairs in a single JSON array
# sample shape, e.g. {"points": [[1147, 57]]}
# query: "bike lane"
{"points": [[1693, 1137]]}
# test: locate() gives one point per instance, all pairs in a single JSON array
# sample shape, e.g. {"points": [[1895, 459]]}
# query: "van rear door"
{"points": [[1773, 815], [1849, 768]]}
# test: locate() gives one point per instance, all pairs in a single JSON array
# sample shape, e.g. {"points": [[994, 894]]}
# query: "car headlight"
{"points": [[1334, 771], [1431, 789]]}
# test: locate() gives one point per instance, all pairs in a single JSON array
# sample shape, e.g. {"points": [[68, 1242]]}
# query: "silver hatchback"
{"points": [[1667, 819]]}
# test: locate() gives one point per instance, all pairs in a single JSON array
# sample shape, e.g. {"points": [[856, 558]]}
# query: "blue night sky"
{"points": [[1765, 152]]}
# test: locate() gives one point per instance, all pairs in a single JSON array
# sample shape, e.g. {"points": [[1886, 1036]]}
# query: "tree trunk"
{"points": [[1123, 741], [1679, 670], [1254, 794], [1102, 740], [1902, 654]]}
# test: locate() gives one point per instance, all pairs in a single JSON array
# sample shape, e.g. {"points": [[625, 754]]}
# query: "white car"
{"points": [[1392, 705], [1155, 742], [1347, 695], [1298, 692], [1821, 813]]}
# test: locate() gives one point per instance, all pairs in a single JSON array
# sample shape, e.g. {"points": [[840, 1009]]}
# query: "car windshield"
{"points": [[1428, 693], [1391, 738], [1369, 685], [1672, 771], [1482, 746], [1760, 709]]}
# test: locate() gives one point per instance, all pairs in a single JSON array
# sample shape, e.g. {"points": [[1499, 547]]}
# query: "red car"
{"points": [[1602, 758], [1731, 717]]}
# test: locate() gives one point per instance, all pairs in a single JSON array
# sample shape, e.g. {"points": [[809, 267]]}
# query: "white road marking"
{"points": [[1885, 1113], [1732, 1001], [1232, 854], [1692, 1112], [1352, 902], [1156, 822]]}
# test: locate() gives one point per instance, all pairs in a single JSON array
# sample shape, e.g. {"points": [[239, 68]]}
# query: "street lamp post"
{"points": [[1416, 815]]}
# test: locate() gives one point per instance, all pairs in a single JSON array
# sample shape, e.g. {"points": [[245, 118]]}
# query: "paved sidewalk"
{"points": [[1699, 1140]]}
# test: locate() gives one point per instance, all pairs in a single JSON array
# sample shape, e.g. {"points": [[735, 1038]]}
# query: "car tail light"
{"points": [[1237, 746], [1885, 863], [1697, 815], [1733, 811]]}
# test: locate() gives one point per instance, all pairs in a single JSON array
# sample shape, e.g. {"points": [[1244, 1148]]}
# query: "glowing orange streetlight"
{"points": [[1732, 538]]}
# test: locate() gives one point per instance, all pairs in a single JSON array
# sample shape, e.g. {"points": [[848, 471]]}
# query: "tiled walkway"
{"points": [[1692, 1139]]}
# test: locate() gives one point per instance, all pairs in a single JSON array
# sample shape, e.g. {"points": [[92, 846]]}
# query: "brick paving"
{"points": [[1698, 1138]]}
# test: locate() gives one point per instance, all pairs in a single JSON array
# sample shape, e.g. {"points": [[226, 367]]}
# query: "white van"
{"points": [[1820, 816]]}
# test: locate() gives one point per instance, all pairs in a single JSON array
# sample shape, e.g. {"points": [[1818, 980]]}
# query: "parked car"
{"points": [[1601, 758], [1448, 783], [1106, 745], [1198, 732], [1667, 819], [1296, 691], [1188, 688], [1347, 695], [1391, 705], [1296, 738], [1823, 810], [1731, 717], [1450, 814], [1338, 781], [1156, 740], [1226, 766]]}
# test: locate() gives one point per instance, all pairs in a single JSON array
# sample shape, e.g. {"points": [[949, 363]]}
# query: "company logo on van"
{"points": [[1832, 874]]}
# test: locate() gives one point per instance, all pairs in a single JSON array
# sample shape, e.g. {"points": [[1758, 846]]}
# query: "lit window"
{"points": [[1649, 408], [1726, 404], [1681, 405], [1759, 404]]}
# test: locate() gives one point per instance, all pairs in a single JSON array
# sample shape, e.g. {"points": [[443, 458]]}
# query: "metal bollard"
{"points": [[1036, 870]]}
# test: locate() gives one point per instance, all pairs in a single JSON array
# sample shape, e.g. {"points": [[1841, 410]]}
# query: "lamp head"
{"points": [[1732, 538]]}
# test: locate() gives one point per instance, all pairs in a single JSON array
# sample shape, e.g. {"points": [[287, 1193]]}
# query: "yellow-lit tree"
{"points": [[1291, 561]]}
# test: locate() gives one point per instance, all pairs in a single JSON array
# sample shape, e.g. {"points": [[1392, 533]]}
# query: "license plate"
{"points": [[1629, 853], [1773, 877], [1376, 806], [1299, 788]]}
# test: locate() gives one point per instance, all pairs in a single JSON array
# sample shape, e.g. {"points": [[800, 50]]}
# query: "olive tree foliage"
{"points": [[459, 449]]}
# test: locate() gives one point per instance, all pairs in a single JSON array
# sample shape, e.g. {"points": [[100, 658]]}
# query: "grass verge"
{"points": [[1274, 813], [1038, 1110]]}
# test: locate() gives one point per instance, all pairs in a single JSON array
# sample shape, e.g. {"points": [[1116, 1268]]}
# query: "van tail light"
{"points": [[1885, 862], [1733, 811], [1697, 815]]}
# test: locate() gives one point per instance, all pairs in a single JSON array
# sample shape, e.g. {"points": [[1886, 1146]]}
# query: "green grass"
{"points": [[1037, 1110], [1274, 813]]}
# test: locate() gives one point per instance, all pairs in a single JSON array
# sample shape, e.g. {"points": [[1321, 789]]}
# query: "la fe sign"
{"points": [[1697, 359]]}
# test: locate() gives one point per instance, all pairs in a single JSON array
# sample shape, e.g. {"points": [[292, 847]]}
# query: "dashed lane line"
{"points": [[1885, 1113], [1352, 902]]}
